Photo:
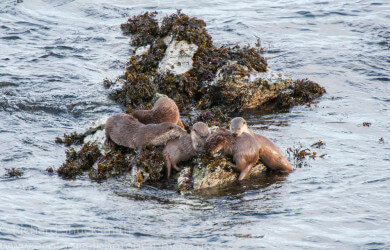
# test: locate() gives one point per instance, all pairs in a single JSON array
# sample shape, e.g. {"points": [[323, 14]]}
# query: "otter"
{"points": [[186, 147], [269, 153], [164, 110], [244, 149], [127, 131]]}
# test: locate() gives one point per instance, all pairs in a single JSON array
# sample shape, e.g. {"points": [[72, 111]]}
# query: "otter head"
{"points": [[215, 145], [238, 126], [199, 133], [166, 131]]}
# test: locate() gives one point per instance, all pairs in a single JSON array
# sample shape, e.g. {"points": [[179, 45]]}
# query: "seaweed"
{"points": [[13, 172], [143, 27], [299, 154], [213, 117], [112, 164], [300, 92], [151, 162], [366, 124], [71, 139], [79, 161], [182, 27]]}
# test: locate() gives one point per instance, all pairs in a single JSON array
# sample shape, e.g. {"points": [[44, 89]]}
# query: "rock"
{"points": [[212, 173], [216, 173], [238, 88], [178, 57], [98, 138], [136, 177], [156, 97], [95, 133], [257, 171], [96, 125], [167, 40], [184, 180], [142, 50]]}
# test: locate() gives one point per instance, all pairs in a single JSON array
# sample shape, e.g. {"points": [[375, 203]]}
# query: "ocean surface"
{"points": [[54, 55]]}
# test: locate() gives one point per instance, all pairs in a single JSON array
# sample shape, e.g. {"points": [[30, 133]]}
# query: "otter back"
{"points": [[121, 129], [164, 110]]}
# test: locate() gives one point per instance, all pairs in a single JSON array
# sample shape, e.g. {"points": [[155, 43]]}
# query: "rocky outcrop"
{"points": [[209, 83]]}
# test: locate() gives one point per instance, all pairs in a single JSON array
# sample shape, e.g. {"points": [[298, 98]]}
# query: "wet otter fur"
{"points": [[269, 153], [244, 149], [127, 131], [222, 141], [164, 110], [184, 148]]}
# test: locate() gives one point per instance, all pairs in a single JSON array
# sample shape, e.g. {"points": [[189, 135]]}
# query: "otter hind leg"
{"points": [[230, 164], [168, 165], [176, 167], [244, 173], [109, 142]]}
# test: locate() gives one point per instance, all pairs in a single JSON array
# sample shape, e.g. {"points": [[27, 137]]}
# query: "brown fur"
{"points": [[127, 131], [244, 149], [164, 110], [184, 148], [220, 140], [269, 153]]}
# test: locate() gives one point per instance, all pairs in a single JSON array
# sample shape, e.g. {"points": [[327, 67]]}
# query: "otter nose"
{"points": [[234, 134]]}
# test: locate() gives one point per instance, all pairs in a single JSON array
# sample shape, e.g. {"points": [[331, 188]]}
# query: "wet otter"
{"points": [[127, 131], [186, 147], [244, 149], [164, 110], [269, 153], [222, 141]]}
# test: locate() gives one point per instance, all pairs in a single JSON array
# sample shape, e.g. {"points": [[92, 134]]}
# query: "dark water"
{"points": [[53, 57]]}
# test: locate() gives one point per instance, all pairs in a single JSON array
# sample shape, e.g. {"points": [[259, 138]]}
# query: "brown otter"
{"points": [[164, 110], [127, 131], [244, 149], [269, 153], [184, 148]]}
